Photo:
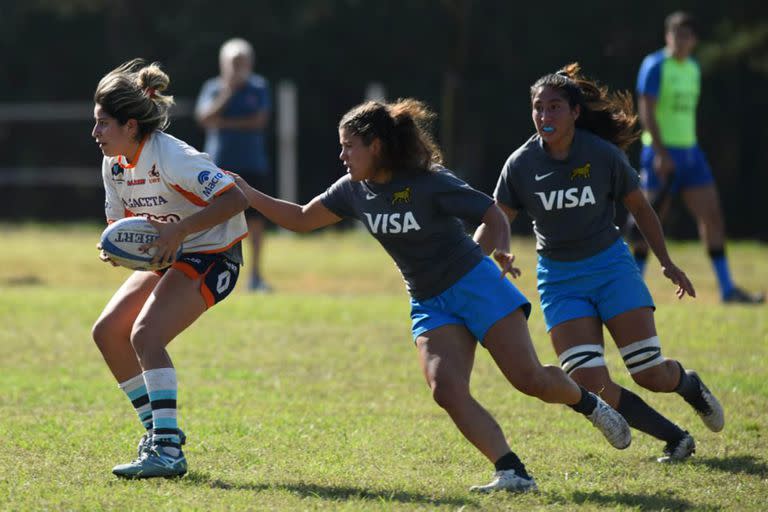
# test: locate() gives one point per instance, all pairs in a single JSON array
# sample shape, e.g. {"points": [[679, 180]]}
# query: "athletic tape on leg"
{"points": [[582, 356], [642, 354]]}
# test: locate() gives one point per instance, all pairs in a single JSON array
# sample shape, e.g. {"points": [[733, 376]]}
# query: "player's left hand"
{"points": [[506, 262], [166, 245], [678, 277]]}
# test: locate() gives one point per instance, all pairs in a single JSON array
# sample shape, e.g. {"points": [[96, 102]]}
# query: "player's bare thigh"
{"points": [[123, 308]]}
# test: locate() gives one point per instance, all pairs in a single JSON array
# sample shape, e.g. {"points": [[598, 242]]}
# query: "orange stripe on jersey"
{"points": [[214, 251], [135, 158], [217, 194], [189, 196]]}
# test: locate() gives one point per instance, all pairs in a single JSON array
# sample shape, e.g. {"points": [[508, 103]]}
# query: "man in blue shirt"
{"points": [[234, 109], [668, 88]]}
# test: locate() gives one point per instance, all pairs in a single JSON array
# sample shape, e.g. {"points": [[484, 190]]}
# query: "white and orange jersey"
{"points": [[170, 180]]}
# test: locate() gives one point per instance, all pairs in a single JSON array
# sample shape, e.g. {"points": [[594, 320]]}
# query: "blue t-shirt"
{"points": [[416, 218], [241, 151]]}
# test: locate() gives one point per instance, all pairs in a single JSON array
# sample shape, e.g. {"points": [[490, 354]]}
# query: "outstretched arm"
{"points": [[311, 216], [227, 204], [649, 225], [493, 237]]}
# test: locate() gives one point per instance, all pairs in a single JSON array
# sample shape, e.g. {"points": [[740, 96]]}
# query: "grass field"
{"points": [[311, 398]]}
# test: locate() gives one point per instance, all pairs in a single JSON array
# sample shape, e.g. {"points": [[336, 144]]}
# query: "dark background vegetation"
{"points": [[472, 61]]}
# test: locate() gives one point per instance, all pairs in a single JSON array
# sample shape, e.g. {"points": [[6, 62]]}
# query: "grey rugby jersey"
{"points": [[417, 219], [571, 201]]}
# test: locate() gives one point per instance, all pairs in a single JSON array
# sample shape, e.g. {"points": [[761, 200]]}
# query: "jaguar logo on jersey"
{"points": [[211, 182], [404, 196], [566, 198], [581, 172], [154, 174], [117, 173], [391, 223]]}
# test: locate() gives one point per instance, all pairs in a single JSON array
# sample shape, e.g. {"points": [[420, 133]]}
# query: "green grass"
{"points": [[312, 398]]}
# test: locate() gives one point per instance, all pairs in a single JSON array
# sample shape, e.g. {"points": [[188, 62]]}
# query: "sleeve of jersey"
{"points": [[505, 192], [113, 206], [338, 198], [624, 178], [457, 199], [197, 178], [649, 76]]}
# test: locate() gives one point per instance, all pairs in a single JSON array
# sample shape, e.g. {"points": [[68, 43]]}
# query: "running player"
{"points": [[668, 86], [413, 206], [188, 199], [567, 176]]}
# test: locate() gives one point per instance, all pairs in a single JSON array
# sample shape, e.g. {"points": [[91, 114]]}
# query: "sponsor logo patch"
{"points": [[117, 173], [392, 223], [203, 177], [566, 198], [144, 202], [154, 174], [212, 182]]}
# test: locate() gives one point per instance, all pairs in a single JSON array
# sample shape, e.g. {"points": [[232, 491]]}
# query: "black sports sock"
{"points": [[511, 461], [587, 403], [690, 389], [646, 419]]}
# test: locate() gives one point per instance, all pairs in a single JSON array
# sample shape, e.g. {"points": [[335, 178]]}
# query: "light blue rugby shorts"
{"points": [[478, 300], [603, 286]]}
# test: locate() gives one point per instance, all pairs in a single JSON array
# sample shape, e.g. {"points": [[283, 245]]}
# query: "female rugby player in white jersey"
{"points": [[149, 173], [413, 207], [567, 177]]}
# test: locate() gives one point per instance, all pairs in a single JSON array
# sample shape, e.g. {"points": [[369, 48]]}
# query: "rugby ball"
{"points": [[121, 241]]}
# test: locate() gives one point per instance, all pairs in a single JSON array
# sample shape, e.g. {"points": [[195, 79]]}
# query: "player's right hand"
{"points": [[506, 262], [678, 277], [104, 257]]}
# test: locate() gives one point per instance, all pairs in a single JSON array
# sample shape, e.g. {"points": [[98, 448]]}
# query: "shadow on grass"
{"points": [[25, 280], [747, 464], [331, 492], [641, 501]]}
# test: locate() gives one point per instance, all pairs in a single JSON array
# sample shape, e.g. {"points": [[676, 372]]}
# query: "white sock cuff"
{"points": [[160, 378], [132, 384]]}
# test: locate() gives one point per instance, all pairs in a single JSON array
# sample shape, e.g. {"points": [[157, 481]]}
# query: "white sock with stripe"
{"points": [[136, 390], [162, 389]]}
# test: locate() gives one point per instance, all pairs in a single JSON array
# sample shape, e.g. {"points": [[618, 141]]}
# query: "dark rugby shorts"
{"points": [[219, 274]]}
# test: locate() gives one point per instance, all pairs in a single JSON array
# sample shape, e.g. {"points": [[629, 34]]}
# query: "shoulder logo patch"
{"points": [[203, 177]]}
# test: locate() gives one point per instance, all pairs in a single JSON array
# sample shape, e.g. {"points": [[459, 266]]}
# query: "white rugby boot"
{"points": [[711, 412], [612, 424], [506, 480], [680, 451]]}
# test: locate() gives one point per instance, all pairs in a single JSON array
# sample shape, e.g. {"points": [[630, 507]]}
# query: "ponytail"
{"points": [[134, 90], [403, 129]]}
